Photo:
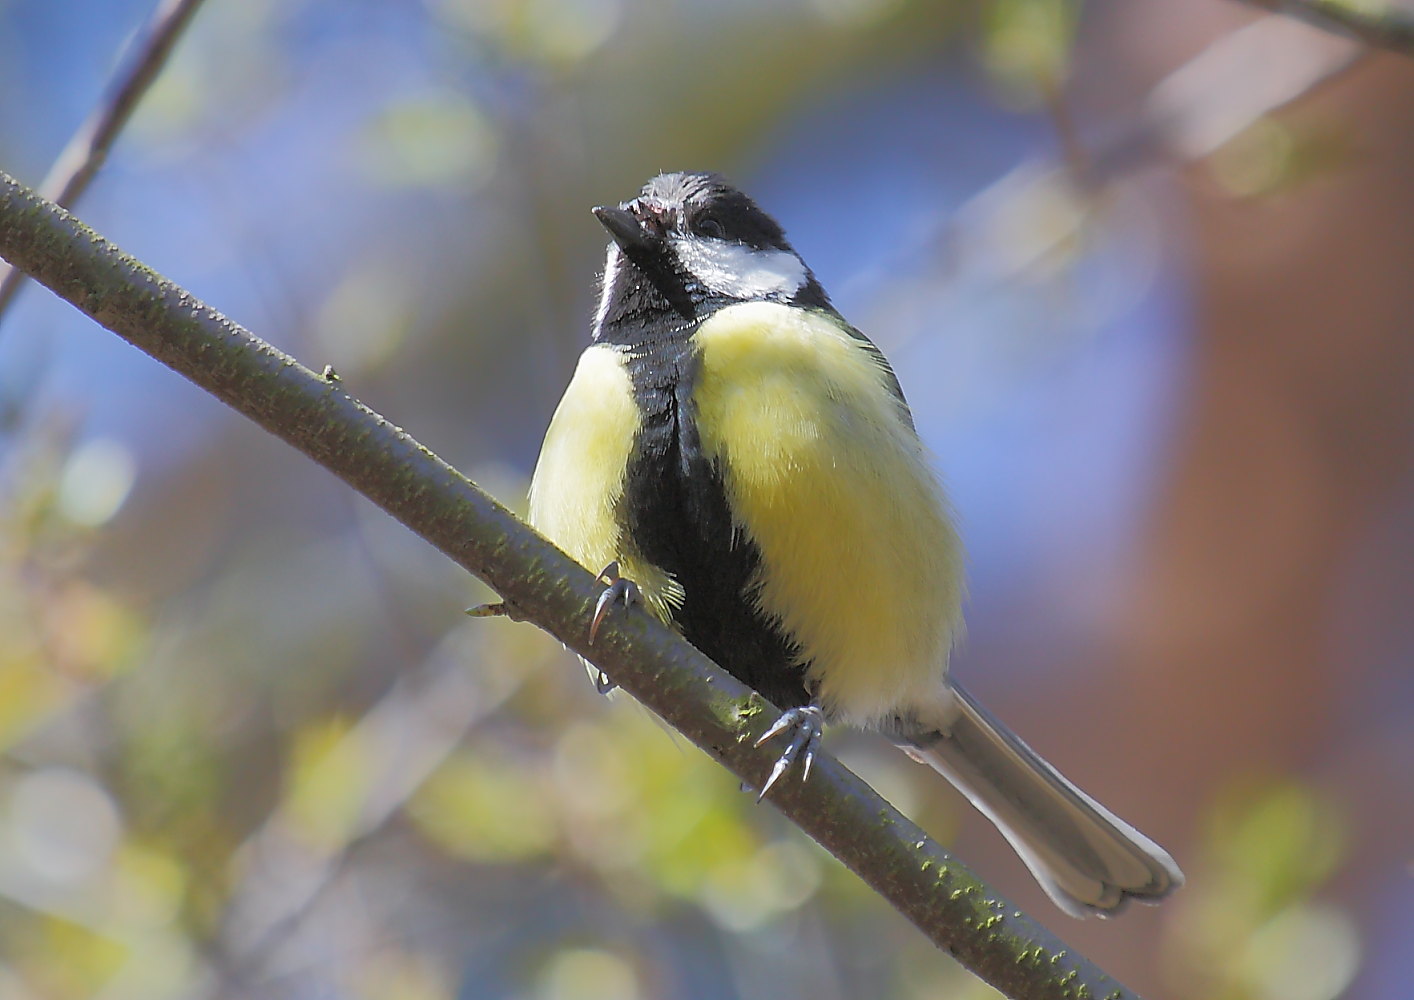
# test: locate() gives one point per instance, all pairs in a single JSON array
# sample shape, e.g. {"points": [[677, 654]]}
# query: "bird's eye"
{"points": [[709, 226]]}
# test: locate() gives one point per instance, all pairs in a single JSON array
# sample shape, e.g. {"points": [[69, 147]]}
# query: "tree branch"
{"points": [[1386, 26], [82, 158], [315, 415]]}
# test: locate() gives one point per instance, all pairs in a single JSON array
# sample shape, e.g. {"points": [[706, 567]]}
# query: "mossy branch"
{"points": [[317, 416]]}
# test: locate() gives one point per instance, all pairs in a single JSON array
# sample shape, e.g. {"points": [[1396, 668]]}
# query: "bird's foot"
{"points": [[619, 591], [805, 724]]}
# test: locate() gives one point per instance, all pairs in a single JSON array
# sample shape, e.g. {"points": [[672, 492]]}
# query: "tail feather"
{"points": [[1087, 859]]}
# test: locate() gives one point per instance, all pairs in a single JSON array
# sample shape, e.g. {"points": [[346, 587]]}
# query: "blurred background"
{"points": [[1146, 272]]}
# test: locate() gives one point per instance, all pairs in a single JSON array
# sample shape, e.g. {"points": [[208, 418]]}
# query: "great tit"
{"points": [[746, 461]]}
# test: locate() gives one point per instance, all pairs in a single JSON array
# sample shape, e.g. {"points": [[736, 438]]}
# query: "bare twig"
{"points": [[83, 157], [316, 415], [1382, 25]]}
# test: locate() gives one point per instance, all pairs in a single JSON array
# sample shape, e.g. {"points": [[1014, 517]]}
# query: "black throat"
{"points": [[674, 510]]}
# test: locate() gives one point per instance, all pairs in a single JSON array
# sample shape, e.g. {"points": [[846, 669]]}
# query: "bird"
{"points": [[734, 455]]}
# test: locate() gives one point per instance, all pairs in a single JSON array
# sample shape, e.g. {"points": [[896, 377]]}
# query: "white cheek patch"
{"points": [[739, 271], [606, 287]]}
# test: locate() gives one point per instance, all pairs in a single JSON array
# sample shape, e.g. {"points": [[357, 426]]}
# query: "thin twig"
{"points": [[1385, 26], [658, 667], [86, 152]]}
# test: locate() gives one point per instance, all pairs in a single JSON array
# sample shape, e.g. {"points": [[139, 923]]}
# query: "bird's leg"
{"points": [[805, 725], [619, 591]]}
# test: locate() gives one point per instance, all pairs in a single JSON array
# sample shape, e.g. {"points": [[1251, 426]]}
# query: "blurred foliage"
{"points": [[1028, 45], [1258, 930], [1273, 157]]}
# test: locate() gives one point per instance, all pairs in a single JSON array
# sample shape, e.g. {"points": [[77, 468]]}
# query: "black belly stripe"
{"points": [[674, 514]]}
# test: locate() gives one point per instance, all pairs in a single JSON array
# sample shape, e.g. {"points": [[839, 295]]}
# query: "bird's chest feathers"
{"points": [[822, 471], [760, 479]]}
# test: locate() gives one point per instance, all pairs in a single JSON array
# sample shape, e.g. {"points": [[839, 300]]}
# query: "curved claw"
{"points": [[619, 591], [806, 725]]}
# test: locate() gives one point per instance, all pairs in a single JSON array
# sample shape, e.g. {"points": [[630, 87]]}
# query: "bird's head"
{"points": [[692, 243]]}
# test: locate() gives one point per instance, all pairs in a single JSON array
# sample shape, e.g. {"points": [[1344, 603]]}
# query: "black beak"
{"points": [[624, 227]]}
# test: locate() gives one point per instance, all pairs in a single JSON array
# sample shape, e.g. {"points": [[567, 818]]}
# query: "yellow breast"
{"points": [[579, 477], [860, 562]]}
